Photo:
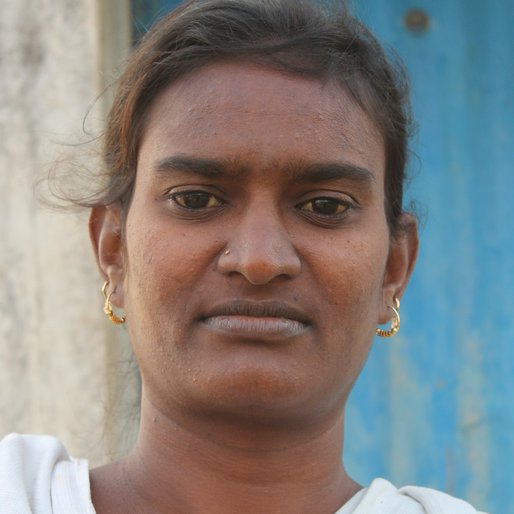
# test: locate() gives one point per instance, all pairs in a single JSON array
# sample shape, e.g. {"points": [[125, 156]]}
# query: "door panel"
{"points": [[146, 12], [444, 389]]}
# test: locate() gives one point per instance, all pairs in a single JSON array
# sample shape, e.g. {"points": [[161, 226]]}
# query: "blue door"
{"points": [[146, 12], [435, 405]]}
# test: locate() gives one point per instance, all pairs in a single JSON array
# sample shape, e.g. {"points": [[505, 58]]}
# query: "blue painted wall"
{"points": [[435, 405]]}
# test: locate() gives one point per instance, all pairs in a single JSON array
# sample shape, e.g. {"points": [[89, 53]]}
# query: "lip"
{"points": [[256, 320]]}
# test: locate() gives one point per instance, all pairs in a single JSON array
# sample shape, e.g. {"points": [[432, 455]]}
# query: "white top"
{"points": [[37, 476]]}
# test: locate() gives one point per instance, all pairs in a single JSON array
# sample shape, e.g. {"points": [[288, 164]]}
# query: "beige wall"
{"points": [[60, 360]]}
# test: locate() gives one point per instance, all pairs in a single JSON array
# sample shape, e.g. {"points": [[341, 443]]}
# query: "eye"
{"points": [[325, 206], [196, 200]]}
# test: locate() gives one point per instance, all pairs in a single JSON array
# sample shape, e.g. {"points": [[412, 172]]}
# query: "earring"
{"points": [[117, 320], [395, 322]]}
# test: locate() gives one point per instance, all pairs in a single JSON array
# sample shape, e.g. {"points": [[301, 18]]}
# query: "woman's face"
{"points": [[257, 259]]}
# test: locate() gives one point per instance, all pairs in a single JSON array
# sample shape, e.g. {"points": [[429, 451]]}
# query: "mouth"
{"points": [[256, 320]]}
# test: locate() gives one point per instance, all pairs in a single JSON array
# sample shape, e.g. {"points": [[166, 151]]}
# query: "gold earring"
{"points": [[117, 320], [395, 322]]}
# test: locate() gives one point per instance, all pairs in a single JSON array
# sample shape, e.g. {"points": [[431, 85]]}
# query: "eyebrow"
{"points": [[209, 168], [302, 171], [324, 172]]}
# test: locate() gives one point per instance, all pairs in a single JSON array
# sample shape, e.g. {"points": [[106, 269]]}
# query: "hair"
{"points": [[295, 36]]}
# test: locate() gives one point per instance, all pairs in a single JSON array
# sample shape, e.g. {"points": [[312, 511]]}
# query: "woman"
{"points": [[252, 234]]}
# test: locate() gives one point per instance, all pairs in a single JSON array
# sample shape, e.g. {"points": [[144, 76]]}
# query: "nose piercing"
{"points": [[227, 252]]}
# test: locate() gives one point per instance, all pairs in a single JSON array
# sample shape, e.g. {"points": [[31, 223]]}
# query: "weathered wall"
{"points": [[58, 354]]}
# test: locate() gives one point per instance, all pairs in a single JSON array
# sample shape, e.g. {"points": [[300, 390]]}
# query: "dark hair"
{"points": [[295, 36]]}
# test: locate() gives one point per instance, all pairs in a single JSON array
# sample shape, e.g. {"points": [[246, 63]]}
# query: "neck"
{"points": [[268, 469]]}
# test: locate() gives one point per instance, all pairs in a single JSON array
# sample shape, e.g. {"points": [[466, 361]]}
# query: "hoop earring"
{"points": [[395, 322], [117, 320]]}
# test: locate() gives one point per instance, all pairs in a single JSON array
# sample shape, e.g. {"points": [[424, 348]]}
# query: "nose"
{"points": [[260, 249]]}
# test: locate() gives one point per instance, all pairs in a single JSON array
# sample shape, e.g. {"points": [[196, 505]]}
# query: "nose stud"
{"points": [[227, 252]]}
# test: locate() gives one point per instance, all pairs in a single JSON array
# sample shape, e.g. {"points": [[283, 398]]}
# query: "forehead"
{"points": [[233, 108]]}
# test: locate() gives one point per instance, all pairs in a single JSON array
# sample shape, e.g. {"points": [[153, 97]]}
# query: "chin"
{"points": [[259, 395]]}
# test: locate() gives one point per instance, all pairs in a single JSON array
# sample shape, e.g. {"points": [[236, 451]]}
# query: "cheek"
{"points": [[160, 263], [162, 269], [352, 279]]}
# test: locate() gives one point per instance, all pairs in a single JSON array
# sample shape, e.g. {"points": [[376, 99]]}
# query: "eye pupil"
{"points": [[325, 206], [194, 200]]}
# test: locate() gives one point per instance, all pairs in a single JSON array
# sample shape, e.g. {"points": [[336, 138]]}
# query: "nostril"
{"points": [[260, 265]]}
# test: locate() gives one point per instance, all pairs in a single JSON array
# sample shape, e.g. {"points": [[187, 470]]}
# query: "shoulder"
{"points": [[436, 502], [382, 497], [37, 475]]}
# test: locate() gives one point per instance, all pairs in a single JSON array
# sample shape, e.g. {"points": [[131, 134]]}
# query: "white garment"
{"points": [[381, 497], [37, 476]]}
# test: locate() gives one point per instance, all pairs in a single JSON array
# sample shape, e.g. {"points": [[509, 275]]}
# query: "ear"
{"points": [[403, 251], [105, 231]]}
